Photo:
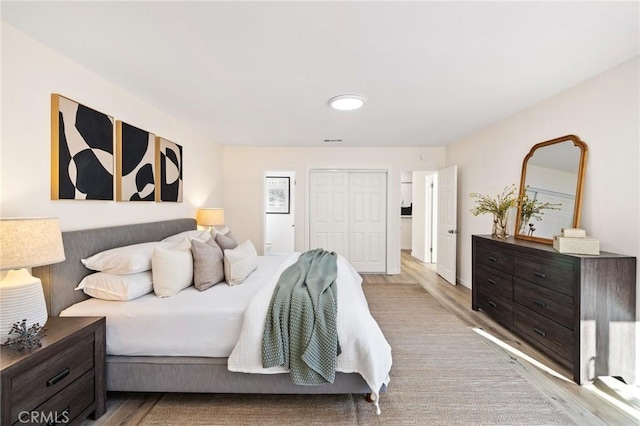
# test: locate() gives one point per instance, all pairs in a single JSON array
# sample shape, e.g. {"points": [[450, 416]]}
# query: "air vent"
{"points": [[332, 140]]}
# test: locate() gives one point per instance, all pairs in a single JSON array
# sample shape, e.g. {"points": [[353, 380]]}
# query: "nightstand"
{"points": [[61, 382]]}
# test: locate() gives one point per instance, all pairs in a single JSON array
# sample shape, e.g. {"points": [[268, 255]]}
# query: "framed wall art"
{"points": [[81, 151], [278, 201], [135, 163], [169, 169]]}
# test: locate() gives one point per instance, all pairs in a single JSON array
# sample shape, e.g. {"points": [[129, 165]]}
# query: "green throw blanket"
{"points": [[300, 331]]}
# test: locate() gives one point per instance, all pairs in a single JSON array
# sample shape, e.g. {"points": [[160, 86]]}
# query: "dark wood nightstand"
{"points": [[61, 382]]}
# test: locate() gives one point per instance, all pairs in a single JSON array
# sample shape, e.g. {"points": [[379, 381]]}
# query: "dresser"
{"points": [[61, 382], [577, 309]]}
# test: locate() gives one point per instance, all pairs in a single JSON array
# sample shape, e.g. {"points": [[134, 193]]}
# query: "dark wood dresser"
{"points": [[577, 309], [61, 382]]}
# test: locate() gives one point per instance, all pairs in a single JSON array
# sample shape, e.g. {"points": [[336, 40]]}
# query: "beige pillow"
{"points": [[240, 262], [208, 267], [226, 242], [172, 270]]}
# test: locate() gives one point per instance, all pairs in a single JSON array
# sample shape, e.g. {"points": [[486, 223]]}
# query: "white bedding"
{"points": [[191, 323], [364, 348]]}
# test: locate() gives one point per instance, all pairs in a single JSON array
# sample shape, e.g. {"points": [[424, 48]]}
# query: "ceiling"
{"points": [[261, 73]]}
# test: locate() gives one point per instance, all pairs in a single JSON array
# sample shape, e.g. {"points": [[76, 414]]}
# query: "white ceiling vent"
{"points": [[332, 140]]}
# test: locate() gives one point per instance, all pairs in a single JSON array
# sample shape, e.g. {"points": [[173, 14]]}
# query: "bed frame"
{"points": [[154, 373]]}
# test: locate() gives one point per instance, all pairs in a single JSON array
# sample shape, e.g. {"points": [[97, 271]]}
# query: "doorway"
{"points": [[419, 227], [279, 212]]}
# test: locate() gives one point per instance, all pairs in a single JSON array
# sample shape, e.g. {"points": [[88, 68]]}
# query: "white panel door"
{"points": [[447, 222], [329, 214], [368, 221]]}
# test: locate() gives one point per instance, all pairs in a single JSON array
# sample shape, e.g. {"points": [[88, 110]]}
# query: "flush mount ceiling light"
{"points": [[346, 102]]}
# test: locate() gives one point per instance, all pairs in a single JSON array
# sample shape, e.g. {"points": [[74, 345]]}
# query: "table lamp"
{"points": [[210, 217], [24, 243]]}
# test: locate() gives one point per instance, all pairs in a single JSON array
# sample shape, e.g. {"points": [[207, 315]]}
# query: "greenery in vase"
{"points": [[498, 206]]}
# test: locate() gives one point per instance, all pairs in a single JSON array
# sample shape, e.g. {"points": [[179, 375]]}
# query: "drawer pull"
{"points": [[540, 274], [493, 305], [55, 379], [540, 332], [493, 259], [60, 418], [490, 281], [540, 303]]}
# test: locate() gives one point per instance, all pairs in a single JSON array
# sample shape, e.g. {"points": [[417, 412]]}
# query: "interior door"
{"points": [[328, 211], [368, 221], [447, 223]]}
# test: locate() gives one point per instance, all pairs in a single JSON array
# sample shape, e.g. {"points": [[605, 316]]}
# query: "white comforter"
{"points": [[364, 348]]}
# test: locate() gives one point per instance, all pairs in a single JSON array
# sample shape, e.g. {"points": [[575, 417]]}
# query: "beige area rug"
{"points": [[443, 374]]}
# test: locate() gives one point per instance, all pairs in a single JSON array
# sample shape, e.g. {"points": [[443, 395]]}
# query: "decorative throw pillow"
{"points": [[195, 234], [102, 285], [226, 242], [124, 260], [172, 270], [240, 262], [208, 267]]}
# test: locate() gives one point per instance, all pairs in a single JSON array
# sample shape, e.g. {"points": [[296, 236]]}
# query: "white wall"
{"points": [[30, 73], [280, 228], [244, 168], [604, 112]]}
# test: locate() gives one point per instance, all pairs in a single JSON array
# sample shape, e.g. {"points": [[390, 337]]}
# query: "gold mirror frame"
{"points": [[579, 184]]}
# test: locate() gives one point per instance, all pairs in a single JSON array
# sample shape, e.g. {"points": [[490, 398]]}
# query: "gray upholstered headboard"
{"points": [[59, 280]]}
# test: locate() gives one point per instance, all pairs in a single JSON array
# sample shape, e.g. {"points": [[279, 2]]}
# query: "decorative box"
{"points": [[576, 245], [574, 233]]}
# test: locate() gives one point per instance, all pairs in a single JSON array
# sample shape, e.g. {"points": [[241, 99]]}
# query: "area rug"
{"points": [[443, 374]]}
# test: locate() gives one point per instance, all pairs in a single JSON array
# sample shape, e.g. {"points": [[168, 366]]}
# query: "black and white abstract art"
{"points": [[81, 152], [168, 171], [135, 163]]}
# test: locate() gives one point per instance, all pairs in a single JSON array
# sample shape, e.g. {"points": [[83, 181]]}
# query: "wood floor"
{"points": [[549, 377]]}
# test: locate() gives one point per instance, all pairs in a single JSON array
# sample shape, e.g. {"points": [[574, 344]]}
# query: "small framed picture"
{"points": [[278, 201]]}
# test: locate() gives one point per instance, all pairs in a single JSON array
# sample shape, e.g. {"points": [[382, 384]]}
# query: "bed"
{"points": [[180, 371]]}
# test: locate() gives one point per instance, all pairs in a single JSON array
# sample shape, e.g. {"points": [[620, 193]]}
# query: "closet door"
{"points": [[348, 215], [368, 221], [329, 215]]}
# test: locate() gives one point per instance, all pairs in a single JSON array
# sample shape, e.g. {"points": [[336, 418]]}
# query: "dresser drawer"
{"points": [[554, 339], [36, 385], [495, 306], [498, 259], [64, 407], [492, 281], [553, 305], [558, 276]]}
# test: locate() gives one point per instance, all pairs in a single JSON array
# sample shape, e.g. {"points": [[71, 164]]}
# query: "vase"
{"points": [[500, 226]]}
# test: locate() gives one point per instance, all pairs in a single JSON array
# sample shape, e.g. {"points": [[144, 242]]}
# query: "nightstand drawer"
{"points": [[558, 276], [553, 305], [64, 407], [36, 385]]}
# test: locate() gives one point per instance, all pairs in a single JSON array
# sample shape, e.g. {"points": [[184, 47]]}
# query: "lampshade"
{"points": [[210, 217], [26, 242]]}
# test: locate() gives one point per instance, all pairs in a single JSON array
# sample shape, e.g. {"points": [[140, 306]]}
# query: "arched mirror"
{"points": [[551, 189]]}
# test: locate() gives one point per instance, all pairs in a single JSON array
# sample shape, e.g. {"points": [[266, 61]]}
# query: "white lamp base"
{"points": [[21, 297]]}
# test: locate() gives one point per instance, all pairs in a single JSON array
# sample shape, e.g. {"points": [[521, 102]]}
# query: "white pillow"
{"points": [[124, 260], [240, 262], [102, 285], [172, 270], [195, 234]]}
